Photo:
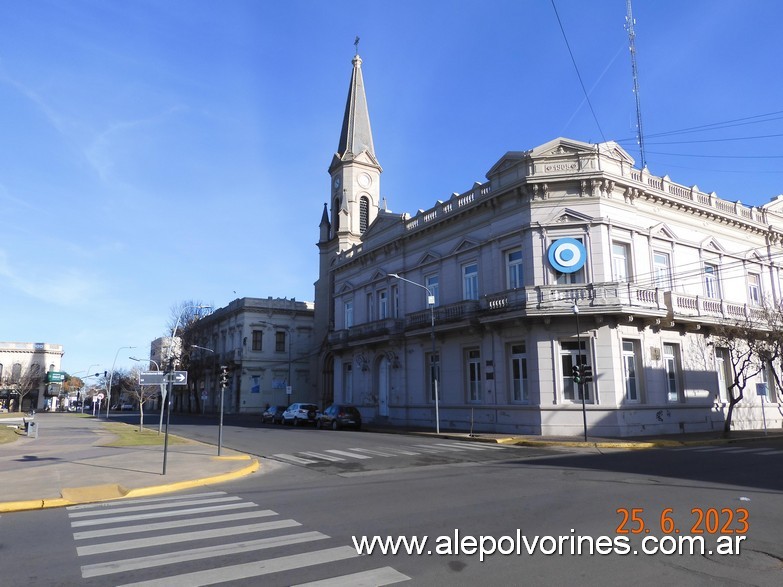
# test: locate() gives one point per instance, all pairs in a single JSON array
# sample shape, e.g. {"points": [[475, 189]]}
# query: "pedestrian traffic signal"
{"points": [[576, 374], [587, 373]]}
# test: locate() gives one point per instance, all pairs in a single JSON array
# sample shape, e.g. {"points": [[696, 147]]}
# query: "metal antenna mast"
{"points": [[629, 22]]}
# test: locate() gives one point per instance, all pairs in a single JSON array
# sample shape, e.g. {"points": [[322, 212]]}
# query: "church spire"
{"points": [[356, 134]]}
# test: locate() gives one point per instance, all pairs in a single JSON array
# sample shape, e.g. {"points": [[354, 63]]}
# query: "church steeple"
{"points": [[356, 133], [354, 171]]}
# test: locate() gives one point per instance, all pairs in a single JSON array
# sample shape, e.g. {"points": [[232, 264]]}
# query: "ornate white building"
{"points": [[20, 358], [567, 254]]}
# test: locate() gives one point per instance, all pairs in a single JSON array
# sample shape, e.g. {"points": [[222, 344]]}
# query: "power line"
{"points": [[581, 83]]}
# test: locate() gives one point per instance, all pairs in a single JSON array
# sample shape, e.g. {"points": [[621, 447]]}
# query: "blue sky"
{"points": [[154, 151]]}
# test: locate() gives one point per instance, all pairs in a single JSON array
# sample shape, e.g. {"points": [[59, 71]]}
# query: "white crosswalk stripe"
{"points": [[295, 460], [318, 455], [346, 453], [372, 452], [159, 553]]}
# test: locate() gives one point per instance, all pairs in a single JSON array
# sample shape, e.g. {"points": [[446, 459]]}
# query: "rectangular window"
{"points": [[630, 371], [348, 383], [433, 368], [279, 342], [395, 301], [348, 307], [711, 285], [519, 374], [473, 374], [671, 362], [470, 282], [258, 339], [620, 269], [722, 363], [768, 379], [754, 289], [383, 305], [662, 270], [570, 355], [370, 308], [514, 269], [431, 284]]}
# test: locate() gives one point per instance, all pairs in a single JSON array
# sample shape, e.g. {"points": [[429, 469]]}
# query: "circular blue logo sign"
{"points": [[567, 255]]}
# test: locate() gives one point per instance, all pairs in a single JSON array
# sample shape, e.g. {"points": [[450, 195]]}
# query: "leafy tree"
{"points": [[72, 384]]}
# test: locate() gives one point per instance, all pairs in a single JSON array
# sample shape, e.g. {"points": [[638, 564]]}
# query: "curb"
{"points": [[99, 493]]}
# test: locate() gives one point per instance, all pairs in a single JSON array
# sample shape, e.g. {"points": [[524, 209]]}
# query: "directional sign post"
{"points": [[158, 377], [178, 377]]}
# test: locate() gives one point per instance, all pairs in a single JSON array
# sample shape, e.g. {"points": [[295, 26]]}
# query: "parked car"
{"points": [[127, 407], [300, 413], [339, 416], [273, 414]]}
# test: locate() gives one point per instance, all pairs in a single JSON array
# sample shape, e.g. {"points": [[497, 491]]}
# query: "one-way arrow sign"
{"points": [[157, 377]]}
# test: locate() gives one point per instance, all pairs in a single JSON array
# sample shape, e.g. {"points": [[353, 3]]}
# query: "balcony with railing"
{"points": [[699, 307]]}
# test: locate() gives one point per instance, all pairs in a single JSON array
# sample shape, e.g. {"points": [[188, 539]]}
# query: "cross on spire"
{"points": [[356, 43]]}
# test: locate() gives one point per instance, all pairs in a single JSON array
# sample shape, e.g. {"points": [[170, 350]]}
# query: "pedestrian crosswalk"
{"points": [[325, 456], [209, 538], [758, 450]]}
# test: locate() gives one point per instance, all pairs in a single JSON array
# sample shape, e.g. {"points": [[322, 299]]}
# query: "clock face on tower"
{"points": [[336, 183]]}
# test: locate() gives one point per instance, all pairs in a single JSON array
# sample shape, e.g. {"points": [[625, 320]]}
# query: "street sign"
{"points": [[179, 377], [151, 378], [55, 377], [156, 377]]}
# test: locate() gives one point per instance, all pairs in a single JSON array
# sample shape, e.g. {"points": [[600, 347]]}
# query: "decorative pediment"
{"points": [[427, 259], [378, 275], [711, 244], [346, 287], [569, 215], [465, 245], [662, 231], [755, 257], [507, 161]]}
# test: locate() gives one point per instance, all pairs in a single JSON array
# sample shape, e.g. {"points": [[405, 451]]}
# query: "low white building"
{"points": [[566, 255], [18, 359]]}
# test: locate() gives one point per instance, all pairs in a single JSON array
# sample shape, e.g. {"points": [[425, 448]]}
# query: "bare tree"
{"points": [[747, 346], [139, 393], [182, 317], [21, 382]]}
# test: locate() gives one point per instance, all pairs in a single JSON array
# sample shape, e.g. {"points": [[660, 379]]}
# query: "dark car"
{"points": [[339, 416], [273, 414], [300, 413]]}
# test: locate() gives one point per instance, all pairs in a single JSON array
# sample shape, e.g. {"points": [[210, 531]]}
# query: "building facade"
{"points": [[22, 363], [265, 345], [566, 255]]}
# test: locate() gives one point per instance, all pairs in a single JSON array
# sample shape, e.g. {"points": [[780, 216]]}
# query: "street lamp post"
{"points": [[222, 393], [111, 378], [433, 369], [581, 384], [169, 384]]}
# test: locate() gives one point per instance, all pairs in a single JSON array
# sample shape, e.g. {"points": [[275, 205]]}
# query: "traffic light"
{"points": [[224, 377], [576, 374], [587, 373]]}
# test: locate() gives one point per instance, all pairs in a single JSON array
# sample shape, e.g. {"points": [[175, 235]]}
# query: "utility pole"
{"points": [[629, 22]]}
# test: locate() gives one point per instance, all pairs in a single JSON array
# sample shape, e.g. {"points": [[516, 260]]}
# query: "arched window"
{"points": [[364, 213], [336, 215], [16, 372]]}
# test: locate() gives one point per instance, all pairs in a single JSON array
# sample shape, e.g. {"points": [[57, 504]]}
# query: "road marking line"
{"points": [[158, 515], [317, 455], [377, 577], [170, 558], [462, 446], [253, 569], [172, 524], [183, 537], [345, 453], [148, 507], [293, 459], [446, 447], [771, 452], [114, 503], [376, 453], [400, 450]]}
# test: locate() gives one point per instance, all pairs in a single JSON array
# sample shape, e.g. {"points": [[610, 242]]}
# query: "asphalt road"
{"points": [[295, 521]]}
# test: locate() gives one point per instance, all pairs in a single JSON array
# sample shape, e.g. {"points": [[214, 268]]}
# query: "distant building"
{"points": [[20, 358], [567, 255], [265, 344]]}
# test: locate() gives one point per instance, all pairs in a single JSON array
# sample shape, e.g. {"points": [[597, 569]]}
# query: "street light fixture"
{"points": [[111, 378], [433, 369], [222, 392]]}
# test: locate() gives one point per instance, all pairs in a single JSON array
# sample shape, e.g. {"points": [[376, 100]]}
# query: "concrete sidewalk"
{"points": [[69, 462]]}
